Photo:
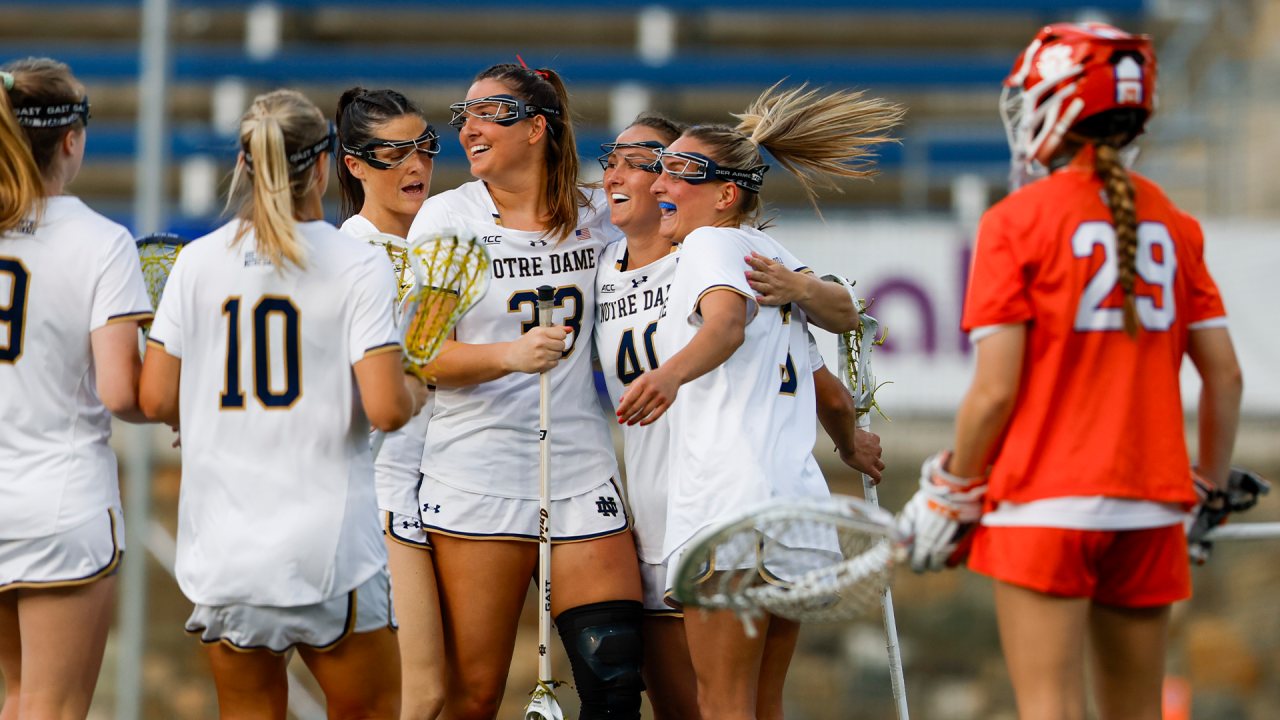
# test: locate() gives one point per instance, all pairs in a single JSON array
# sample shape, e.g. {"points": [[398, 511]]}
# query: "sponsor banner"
{"points": [[916, 271]]}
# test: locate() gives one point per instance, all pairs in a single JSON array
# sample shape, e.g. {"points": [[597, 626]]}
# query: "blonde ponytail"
{"points": [[21, 187], [820, 137], [815, 136], [282, 137]]}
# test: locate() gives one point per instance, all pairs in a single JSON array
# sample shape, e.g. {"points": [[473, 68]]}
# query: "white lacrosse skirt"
{"points": [[406, 530], [653, 583], [277, 629], [597, 513], [79, 555], [778, 561]]}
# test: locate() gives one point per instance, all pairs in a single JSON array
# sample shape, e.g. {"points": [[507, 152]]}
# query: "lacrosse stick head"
{"points": [[397, 249], [806, 559], [157, 253], [451, 274], [854, 349], [543, 705]]}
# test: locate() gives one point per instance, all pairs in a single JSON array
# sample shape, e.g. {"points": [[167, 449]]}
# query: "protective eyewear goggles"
{"points": [[504, 110], [388, 154], [647, 161], [53, 116], [696, 168]]}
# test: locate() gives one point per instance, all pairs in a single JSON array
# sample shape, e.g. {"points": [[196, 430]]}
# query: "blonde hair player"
{"points": [[270, 330], [71, 300], [385, 151], [480, 490], [632, 282], [1088, 287], [737, 360]]}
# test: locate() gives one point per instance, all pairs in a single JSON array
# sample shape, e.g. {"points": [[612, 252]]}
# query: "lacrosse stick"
{"points": [[854, 350], [397, 250], [544, 705], [1245, 531], [805, 559], [157, 253], [451, 274]]}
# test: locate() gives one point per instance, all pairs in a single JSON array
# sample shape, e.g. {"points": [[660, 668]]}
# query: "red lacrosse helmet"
{"points": [[1069, 73]]}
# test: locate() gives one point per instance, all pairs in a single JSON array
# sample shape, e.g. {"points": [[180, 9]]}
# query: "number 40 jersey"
{"points": [[628, 305]]}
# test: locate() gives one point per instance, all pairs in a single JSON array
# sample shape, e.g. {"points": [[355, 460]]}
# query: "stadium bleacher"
{"points": [[697, 60]]}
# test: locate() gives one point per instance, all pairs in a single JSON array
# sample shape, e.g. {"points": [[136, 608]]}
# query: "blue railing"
{"points": [[339, 66]]}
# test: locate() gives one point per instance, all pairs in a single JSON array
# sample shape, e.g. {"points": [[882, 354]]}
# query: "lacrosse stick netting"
{"points": [[397, 250], [806, 559], [451, 274], [157, 253]]}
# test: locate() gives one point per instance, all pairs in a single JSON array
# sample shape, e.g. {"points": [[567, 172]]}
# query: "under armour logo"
{"points": [[426, 507], [411, 524], [537, 243], [607, 506], [638, 283], [542, 649]]}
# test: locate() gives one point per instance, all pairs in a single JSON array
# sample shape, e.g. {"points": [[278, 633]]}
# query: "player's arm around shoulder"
{"points": [[827, 305], [724, 314]]}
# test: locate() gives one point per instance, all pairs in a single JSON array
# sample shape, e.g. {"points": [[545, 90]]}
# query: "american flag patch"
{"points": [[583, 233]]}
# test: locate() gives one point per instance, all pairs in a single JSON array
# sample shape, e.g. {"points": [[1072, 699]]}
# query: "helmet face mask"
{"points": [[1068, 74]]}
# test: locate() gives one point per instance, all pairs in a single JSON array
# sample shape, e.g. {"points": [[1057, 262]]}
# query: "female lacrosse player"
{"points": [[71, 298], [632, 282], [385, 151], [270, 330], [1088, 287], [744, 429], [479, 497]]}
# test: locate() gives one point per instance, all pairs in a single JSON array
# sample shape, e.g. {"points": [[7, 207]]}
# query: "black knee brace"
{"points": [[604, 647]]}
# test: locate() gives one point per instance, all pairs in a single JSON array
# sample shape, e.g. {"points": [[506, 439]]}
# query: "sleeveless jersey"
{"points": [[60, 279], [395, 470], [744, 432], [1097, 413], [484, 438], [277, 505]]}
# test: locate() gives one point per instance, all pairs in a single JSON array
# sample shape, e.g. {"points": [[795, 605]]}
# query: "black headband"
{"points": [[303, 159], [52, 116]]}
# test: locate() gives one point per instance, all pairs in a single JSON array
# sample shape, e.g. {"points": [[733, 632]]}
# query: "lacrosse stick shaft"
{"points": [[896, 678], [1245, 531], [545, 298]]}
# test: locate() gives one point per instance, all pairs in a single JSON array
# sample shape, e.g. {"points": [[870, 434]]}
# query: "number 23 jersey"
{"points": [[484, 438], [1098, 413]]}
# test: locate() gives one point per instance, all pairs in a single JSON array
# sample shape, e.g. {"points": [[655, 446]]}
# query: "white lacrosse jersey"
{"points": [[484, 438], [60, 279], [395, 470], [743, 433], [277, 505], [627, 308]]}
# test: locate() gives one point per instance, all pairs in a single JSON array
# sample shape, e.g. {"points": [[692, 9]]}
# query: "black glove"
{"points": [[1243, 490]]}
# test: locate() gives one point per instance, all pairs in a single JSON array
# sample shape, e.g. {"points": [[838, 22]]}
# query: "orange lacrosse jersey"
{"points": [[1097, 413]]}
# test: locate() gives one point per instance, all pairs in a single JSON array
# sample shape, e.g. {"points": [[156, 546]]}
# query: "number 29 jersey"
{"points": [[277, 505], [1098, 413], [630, 302], [484, 438]]}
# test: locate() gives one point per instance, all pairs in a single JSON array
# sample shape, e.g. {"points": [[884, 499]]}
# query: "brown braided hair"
{"points": [[1120, 199]]}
